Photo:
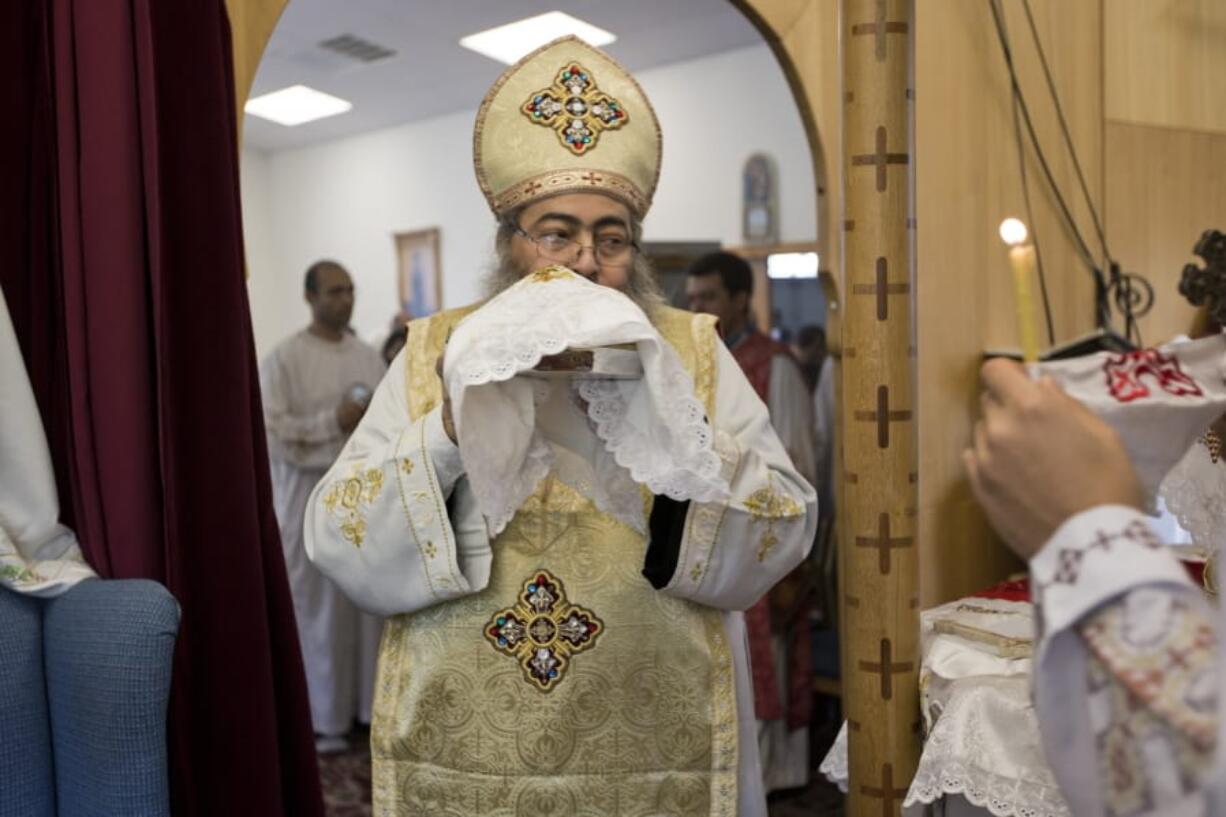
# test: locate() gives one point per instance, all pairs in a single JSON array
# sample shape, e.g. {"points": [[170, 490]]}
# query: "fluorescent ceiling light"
{"points": [[791, 265], [513, 41], [295, 105]]}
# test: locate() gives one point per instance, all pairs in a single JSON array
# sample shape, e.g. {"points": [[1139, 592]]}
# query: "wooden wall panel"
{"points": [[968, 181], [1164, 187], [251, 25], [803, 34], [1165, 61]]}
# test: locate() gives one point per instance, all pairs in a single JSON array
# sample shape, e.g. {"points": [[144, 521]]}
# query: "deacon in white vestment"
{"points": [[38, 555], [1127, 665], [564, 583], [315, 386]]}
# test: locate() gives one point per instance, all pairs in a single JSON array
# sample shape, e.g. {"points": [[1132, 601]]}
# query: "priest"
{"points": [[1126, 669], [564, 566]]}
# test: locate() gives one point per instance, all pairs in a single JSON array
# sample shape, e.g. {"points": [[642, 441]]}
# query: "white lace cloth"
{"points": [[982, 735], [1193, 492], [649, 430]]}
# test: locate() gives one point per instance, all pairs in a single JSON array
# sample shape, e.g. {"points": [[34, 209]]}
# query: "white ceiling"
{"points": [[431, 75]]}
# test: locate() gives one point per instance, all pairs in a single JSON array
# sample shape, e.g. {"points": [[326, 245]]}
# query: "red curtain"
{"points": [[122, 262]]}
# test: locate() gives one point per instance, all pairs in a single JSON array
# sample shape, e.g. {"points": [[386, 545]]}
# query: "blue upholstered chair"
{"points": [[84, 685]]}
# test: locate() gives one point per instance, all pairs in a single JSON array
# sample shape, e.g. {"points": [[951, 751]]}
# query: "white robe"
{"points": [[303, 379], [823, 432], [397, 568], [38, 555], [791, 411], [785, 753]]}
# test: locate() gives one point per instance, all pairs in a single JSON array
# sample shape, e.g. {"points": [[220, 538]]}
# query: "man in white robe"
{"points": [[1126, 669], [459, 728], [315, 386]]}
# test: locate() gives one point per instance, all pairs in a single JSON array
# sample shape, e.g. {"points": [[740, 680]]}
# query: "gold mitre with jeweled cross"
{"points": [[566, 119]]}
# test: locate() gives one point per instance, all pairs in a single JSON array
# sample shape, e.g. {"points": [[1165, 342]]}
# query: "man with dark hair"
{"points": [[810, 350], [316, 384], [721, 284]]}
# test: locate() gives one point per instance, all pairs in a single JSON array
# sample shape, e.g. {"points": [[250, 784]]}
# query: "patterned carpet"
{"points": [[346, 778], [821, 799], [346, 785]]}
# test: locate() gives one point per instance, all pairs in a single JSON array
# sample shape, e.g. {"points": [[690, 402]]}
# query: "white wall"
{"points": [[345, 199]]}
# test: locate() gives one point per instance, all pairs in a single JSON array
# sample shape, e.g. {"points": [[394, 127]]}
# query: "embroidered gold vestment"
{"points": [[568, 685]]}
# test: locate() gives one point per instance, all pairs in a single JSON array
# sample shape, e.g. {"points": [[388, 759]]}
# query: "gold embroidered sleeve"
{"points": [[733, 552], [378, 523], [348, 499]]}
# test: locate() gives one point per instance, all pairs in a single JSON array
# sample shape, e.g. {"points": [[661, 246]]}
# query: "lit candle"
{"points": [[1021, 258]]}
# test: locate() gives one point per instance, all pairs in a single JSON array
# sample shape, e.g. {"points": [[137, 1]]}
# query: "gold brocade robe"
{"points": [[568, 686]]}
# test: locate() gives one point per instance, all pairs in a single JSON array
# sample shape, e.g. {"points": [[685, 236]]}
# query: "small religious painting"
{"points": [[759, 199], [419, 273]]}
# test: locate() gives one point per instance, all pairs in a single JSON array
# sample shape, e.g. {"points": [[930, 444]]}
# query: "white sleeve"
{"points": [[791, 411], [378, 523], [1097, 563], [732, 552], [38, 555]]}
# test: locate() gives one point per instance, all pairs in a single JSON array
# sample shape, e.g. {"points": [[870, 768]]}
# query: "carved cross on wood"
{"points": [[879, 28], [884, 543], [883, 289], [883, 416], [886, 793], [887, 668], [880, 158]]}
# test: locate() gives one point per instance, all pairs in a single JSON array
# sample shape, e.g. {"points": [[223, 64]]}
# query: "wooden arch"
{"points": [[848, 63]]}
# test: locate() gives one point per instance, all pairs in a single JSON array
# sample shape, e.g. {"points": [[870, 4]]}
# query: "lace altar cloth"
{"points": [[650, 430], [982, 735]]}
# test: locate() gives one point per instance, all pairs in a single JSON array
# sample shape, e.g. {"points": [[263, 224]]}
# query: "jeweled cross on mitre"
{"points": [[576, 108]]}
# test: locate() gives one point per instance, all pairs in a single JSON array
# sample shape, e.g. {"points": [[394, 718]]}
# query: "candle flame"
{"points": [[1013, 232]]}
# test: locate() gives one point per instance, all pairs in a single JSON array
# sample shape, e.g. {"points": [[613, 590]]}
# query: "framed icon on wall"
{"points": [[419, 272], [759, 200]]}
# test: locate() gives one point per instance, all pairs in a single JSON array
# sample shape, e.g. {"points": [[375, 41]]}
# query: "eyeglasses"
{"points": [[609, 250]]}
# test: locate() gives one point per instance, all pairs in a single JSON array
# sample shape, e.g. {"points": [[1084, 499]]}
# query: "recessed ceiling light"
{"points": [[296, 105], [513, 41]]}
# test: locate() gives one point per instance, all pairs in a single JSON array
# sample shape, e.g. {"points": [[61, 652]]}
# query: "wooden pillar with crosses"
{"points": [[878, 553]]}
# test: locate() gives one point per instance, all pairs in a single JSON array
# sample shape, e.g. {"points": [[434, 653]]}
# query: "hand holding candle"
{"points": [[1021, 257]]}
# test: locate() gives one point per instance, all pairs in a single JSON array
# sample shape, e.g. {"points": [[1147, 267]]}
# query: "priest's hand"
{"points": [[1040, 457], [348, 413]]}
